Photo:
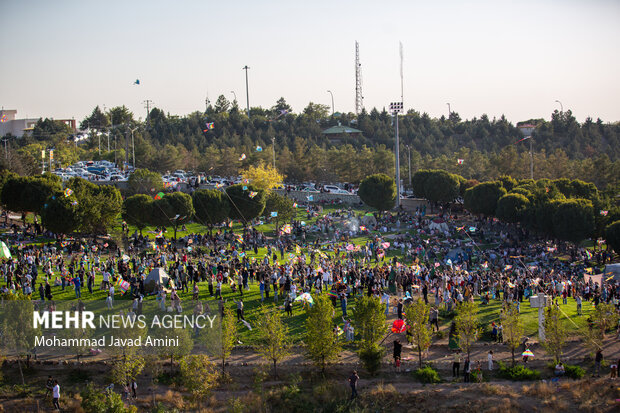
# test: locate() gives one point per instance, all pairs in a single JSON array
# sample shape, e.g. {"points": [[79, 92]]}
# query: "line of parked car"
{"points": [[108, 171]]}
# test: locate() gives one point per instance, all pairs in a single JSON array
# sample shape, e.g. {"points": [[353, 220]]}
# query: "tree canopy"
{"points": [[378, 191]]}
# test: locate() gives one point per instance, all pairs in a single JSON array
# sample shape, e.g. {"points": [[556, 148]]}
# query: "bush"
{"points": [[95, 401], [574, 372], [370, 357], [518, 373], [427, 375]]}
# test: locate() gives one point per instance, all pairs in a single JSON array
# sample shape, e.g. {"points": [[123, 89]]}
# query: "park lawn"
{"points": [[296, 322]]}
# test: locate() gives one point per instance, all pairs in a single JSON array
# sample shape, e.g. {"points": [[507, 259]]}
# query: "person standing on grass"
{"points": [[456, 364], [490, 360], [578, 300], [597, 363], [398, 349], [56, 395], [466, 370], [49, 385], [353, 379]]}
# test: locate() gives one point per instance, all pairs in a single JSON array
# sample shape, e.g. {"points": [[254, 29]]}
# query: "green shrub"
{"points": [[477, 376], [95, 401], [517, 373], [574, 372], [370, 357], [427, 374]]}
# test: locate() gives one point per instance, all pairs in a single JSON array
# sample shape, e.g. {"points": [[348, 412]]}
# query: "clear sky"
{"points": [[61, 58]]}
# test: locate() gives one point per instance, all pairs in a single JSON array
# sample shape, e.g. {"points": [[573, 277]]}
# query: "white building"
{"points": [[16, 127]]}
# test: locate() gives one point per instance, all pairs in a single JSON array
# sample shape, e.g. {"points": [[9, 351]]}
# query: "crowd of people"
{"points": [[445, 259]]}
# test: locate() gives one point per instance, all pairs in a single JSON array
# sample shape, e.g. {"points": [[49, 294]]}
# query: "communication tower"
{"points": [[359, 98]]}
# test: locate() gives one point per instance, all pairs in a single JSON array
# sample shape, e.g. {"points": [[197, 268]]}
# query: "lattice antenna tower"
{"points": [[359, 97]]}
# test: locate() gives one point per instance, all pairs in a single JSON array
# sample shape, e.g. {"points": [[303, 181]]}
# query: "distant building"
{"points": [[16, 127], [9, 124], [337, 133]]}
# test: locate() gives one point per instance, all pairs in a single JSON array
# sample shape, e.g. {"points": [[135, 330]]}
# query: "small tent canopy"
{"points": [[453, 255], [157, 277], [438, 225]]}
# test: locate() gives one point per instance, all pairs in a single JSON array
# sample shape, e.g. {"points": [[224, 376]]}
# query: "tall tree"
{"points": [[59, 214], [482, 198], [378, 191], [280, 204], [512, 328], [199, 376], [143, 181], [212, 206], [181, 209], [417, 314], [467, 329], [137, 211], [322, 345], [245, 204], [229, 335], [573, 219], [612, 236], [263, 176], [273, 340], [555, 333]]}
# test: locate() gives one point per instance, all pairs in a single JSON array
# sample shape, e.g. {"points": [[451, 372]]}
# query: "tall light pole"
{"points": [[247, 90], [234, 94], [396, 108], [449, 111], [133, 147], [561, 106], [273, 145], [409, 156], [330, 92]]}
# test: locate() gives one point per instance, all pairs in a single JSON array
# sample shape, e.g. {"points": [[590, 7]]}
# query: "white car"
{"points": [[331, 188], [340, 192]]}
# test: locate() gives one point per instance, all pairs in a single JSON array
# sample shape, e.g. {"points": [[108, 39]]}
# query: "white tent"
{"points": [[157, 277]]}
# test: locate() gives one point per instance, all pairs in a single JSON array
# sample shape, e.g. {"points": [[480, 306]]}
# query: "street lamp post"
{"points": [[527, 130], [396, 108], [330, 92], [273, 145], [449, 111], [561, 106], [409, 156], [234, 94], [247, 90], [133, 147]]}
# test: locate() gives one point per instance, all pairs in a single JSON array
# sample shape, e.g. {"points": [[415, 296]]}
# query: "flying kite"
{"points": [[68, 192], [460, 161], [159, 195], [253, 194], [209, 126], [242, 157], [3, 119], [259, 149]]}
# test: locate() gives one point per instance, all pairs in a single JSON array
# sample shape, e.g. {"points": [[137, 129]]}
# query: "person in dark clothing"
{"points": [[597, 363], [399, 309], [466, 370], [398, 349], [425, 293], [353, 379]]}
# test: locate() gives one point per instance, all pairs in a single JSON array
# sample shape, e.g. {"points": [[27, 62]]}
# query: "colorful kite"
{"points": [[74, 203], [209, 126], [242, 157], [460, 161], [362, 228], [286, 229], [274, 214], [259, 149], [3, 119], [159, 195], [294, 204], [253, 194], [137, 82], [399, 326], [310, 198], [68, 192], [604, 213]]}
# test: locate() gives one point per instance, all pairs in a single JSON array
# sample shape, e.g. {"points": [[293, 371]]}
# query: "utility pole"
{"points": [[409, 155], [6, 153], [396, 108], [273, 145], [207, 101], [126, 144], [147, 105], [247, 90], [330, 92]]}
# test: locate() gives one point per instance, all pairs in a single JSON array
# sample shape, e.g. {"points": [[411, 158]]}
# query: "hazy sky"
{"points": [[61, 58]]}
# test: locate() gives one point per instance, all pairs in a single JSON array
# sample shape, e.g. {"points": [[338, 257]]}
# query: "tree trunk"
{"points": [[275, 371], [171, 360], [513, 357], [420, 356], [21, 373]]}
